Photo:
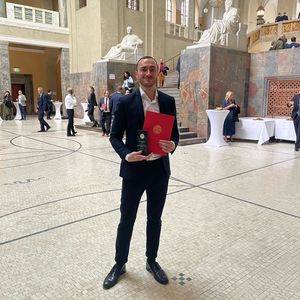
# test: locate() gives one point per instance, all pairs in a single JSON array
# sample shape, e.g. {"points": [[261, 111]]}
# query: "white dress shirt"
{"points": [[70, 101]]}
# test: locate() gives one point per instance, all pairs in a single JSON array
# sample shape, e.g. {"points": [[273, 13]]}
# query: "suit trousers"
{"points": [[297, 131], [155, 183], [70, 127], [44, 125], [105, 122]]}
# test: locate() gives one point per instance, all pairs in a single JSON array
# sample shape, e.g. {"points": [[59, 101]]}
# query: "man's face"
{"points": [[39, 90], [147, 72], [106, 94]]}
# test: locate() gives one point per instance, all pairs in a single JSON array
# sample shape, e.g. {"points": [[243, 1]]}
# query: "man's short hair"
{"points": [[293, 39], [146, 57]]}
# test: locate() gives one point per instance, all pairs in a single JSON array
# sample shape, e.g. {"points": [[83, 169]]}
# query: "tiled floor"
{"points": [[231, 225]]}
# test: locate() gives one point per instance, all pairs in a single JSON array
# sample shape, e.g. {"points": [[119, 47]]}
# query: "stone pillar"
{"points": [[5, 81], [2, 9], [62, 7], [64, 74], [191, 20]]}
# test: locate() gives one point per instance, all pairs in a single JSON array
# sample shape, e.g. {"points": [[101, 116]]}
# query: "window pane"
{"points": [[18, 12]]}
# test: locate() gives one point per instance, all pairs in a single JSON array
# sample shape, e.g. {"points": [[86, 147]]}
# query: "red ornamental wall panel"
{"points": [[280, 93]]}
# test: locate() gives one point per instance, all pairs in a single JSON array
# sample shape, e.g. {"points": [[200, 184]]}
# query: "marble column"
{"points": [[65, 74], [5, 80], [191, 20], [62, 7], [2, 9]]}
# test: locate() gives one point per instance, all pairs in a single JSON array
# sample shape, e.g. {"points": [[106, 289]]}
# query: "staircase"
{"points": [[186, 137]]}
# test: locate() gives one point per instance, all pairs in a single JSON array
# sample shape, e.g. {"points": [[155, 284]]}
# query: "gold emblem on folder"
{"points": [[157, 129]]}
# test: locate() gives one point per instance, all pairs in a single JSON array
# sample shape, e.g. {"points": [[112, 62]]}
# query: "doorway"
{"points": [[24, 83]]}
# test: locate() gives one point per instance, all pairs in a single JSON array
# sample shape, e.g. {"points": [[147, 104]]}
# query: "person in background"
{"points": [[178, 70], [127, 92], [128, 83], [162, 72], [91, 105], [105, 111], [284, 17], [42, 105], [7, 106], [22, 104], [278, 18], [141, 173], [70, 102], [293, 43], [231, 118], [279, 44], [49, 104], [114, 100], [295, 103]]}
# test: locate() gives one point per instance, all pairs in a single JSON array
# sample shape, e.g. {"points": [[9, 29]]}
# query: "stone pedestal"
{"points": [[108, 74], [206, 74]]}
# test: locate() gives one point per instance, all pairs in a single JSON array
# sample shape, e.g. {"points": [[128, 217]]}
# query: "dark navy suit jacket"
{"points": [[42, 103], [295, 99], [129, 118]]}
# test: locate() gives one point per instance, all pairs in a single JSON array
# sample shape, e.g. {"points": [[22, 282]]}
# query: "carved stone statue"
{"points": [[228, 25], [127, 49]]}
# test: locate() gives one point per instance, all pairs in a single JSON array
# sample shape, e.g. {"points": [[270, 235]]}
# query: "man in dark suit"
{"points": [[105, 113], [141, 173], [42, 107], [296, 118]]}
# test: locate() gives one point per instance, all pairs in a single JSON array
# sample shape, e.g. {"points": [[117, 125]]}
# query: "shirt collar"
{"points": [[145, 96]]}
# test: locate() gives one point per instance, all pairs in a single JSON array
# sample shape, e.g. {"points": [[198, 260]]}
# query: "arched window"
{"points": [[133, 4], [169, 10], [184, 12]]}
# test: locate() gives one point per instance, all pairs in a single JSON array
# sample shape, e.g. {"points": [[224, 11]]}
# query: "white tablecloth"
{"points": [[284, 130], [57, 105], [216, 118], [250, 129]]}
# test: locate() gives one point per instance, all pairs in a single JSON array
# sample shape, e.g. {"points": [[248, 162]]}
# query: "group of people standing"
{"points": [[8, 105]]}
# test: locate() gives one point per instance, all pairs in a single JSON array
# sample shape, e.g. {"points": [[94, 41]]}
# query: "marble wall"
{"points": [[5, 81], [279, 64], [206, 74]]}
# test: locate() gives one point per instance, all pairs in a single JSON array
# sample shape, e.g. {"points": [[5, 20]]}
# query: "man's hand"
{"points": [[137, 156], [167, 146]]}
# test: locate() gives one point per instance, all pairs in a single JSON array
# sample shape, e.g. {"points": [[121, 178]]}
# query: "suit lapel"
{"points": [[140, 108]]}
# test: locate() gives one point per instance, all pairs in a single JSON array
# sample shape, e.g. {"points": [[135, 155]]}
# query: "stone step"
{"points": [[191, 141], [187, 135], [89, 127], [183, 129]]}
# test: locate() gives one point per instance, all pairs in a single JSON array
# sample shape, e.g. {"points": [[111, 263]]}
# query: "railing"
{"points": [[32, 14], [182, 31], [269, 32], [172, 62]]}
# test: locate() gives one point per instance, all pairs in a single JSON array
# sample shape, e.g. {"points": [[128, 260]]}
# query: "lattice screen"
{"points": [[280, 93]]}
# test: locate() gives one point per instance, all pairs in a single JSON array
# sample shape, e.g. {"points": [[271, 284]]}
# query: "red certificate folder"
{"points": [[159, 127]]}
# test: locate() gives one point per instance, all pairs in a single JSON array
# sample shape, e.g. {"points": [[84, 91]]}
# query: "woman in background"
{"points": [[232, 117], [7, 106], [162, 72], [128, 83]]}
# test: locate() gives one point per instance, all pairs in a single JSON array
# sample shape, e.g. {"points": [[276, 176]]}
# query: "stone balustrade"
{"points": [[261, 38]]}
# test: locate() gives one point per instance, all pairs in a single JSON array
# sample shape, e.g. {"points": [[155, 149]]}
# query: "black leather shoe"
{"points": [[41, 130], [48, 128], [157, 272], [113, 276]]}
